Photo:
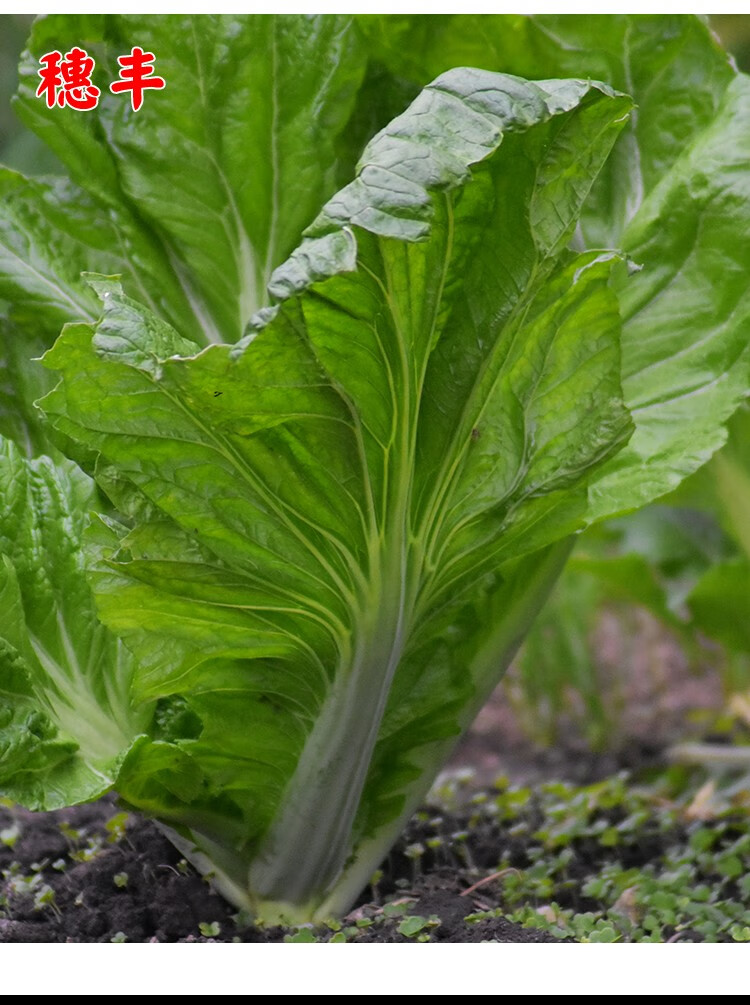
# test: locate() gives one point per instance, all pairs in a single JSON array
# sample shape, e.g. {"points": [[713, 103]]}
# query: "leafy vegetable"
{"points": [[65, 709], [325, 536], [330, 535]]}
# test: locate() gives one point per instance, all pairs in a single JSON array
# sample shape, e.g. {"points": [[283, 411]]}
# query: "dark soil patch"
{"points": [[89, 874], [605, 862], [106, 876]]}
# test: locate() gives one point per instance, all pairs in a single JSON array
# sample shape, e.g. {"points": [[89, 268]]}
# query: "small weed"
{"points": [[44, 898], [91, 849], [396, 908], [9, 835], [414, 925], [414, 852], [242, 919], [375, 879], [115, 827], [72, 835], [304, 934]]}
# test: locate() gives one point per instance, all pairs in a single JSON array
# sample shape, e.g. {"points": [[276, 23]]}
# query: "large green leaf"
{"points": [[210, 184], [328, 502], [51, 232], [671, 65], [686, 315], [719, 602], [66, 716], [178, 200], [39, 266], [674, 195]]}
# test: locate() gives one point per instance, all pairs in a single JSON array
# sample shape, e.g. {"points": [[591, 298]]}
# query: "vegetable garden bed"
{"points": [[348, 330], [599, 863]]}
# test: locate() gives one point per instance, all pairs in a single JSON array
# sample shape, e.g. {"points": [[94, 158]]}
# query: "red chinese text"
{"points": [[137, 73], [67, 81]]}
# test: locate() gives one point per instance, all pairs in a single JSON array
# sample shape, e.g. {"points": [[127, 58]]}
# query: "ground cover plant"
{"points": [[321, 425]]}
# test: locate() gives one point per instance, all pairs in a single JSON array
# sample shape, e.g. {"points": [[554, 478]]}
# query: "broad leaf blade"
{"points": [[236, 87], [50, 233], [671, 65], [686, 315], [720, 604], [22, 382], [674, 196], [39, 266]]}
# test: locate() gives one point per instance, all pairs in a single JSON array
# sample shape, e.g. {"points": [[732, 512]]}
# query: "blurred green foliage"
{"points": [[734, 32], [19, 148], [13, 31], [685, 560]]}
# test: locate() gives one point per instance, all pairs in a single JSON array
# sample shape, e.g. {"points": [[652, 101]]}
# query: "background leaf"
{"points": [[66, 717], [253, 104], [671, 194]]}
